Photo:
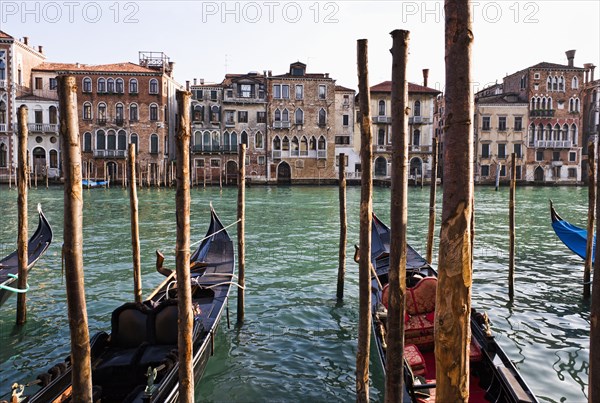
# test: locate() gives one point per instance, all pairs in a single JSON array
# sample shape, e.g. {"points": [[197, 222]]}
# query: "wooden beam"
{"points": [[241, 227], [23, 259], [587, 272], [343, 226], [135, 230], [432, 199]]}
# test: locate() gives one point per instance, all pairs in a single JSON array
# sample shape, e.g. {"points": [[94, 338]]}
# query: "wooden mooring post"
{"points": [[23, 259], [135, 230], [366, 212], [511, 226], [73, 241], [432, 199], [453, 302], [394, 368], [184, 290], [241, 228], [47, 172], [343, 226], [587, 271], [594, 375]]}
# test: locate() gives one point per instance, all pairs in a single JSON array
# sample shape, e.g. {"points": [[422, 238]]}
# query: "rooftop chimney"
{"points": [[26, 40], [195, 81], [592, 67], [187, 85], [570, 56], [40, 49], [269, 73], [425, 77], [171, 66], [201, 81]]}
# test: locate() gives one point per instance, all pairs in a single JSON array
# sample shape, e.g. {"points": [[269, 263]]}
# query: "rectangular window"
{"points": [[53, 84], [518, 123], [200, 163], [485, 151], [215, 163], [539, 156], [555, 155], [485, 123], [261, 160], [502, 123], [517, 150], [342, 139], [229, 118], [38, 83], [322, 91], [213, 95], [518, 172], [346, 120], [243, 117], [299, 91], [246, 91], [346, 99], [229, 93], [285, 91], [572, 173], [276, 91], [572, 156], [261, 117], [503, 170], [485, 170], [501, 150]]}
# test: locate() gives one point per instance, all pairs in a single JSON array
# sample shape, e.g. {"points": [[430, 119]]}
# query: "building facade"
{"points": [[347, 134]]}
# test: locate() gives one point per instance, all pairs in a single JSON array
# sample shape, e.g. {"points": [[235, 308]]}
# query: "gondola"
{"points": [[36, 247], [494, 378], [573, 237], [89, 183], [138, 360]]}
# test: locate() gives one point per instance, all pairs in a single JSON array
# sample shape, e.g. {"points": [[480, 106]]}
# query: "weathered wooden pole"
{"points": [[343, 226], [511, 226], [591, 218], [73, 241], [35, 174], [498, 169], [184, 289], [241, 225], [23, 259], [453, 302], [10, 176], [47, 169], [135, 231], [394, 370], [366, 212], [432, 197], [594, 376]]}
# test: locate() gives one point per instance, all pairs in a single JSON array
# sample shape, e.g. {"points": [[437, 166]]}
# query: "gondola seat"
{"points": [[420, 313], [164, 332], [415, 359]]}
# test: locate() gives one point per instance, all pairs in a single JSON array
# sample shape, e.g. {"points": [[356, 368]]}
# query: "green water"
{"points": [[298, 342]]}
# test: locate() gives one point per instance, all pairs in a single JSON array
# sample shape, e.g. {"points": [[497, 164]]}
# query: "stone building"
{"points": [[300, 126], [500, 128], [347, 133], [422, 101], [17, 58], [119, 104], [554, 140], [590, 114]]}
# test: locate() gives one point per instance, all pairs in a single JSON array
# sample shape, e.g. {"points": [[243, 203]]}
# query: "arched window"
{"points": [[198, 113], [381, 111], [3, 155], [548, 132], [544, 103], [322, 148], [244, 138], [153, 86], [531, 134], [133, 86], [258, 140], [122, 140], [571, 105], [153, 144], [87, 142], [110, 85], [561, 83], [549, 83], [322, 117], [216, 140], [417, 108], [134, 140], [295, 151], [556, 133], [2, 112], [576, 104], [153, 112], [381, 137], [417, 138], [101, 113], [215, 114], [119, 113], [111, 140], [206, 141], [119, 87], [549, 104], [575, 83], [303, 146], [133, 113], [574, 134], [197, 140], [555, 84], [53, 159], [285, 144], [2, 70], [285, 116], [533, 105], [234, 141], [299, 116], [538, 103], [101, 85], [100, 140], [540, 132], [53, 114], [87, 111], [277, 143], [312, 144], [277, 116], [226, 139], [87, 84], [565, 132]]}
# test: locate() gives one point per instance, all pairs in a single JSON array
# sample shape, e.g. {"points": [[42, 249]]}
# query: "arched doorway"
{"points": [[538, 175], [380, 166], [111, 171], [231, 169], [284, 174], [39, 161], [416, 169]]}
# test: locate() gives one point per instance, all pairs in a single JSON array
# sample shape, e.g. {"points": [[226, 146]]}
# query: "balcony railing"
{"points": [[101, 121], [382, 119], [545, 113], [276, 154], [110, 153], [321, 154], [43, 127], [418, 120], [198, 148], [380, 148], [553, 144], [3, 127], [119, 121], [281, 125], [3, 84], [420, 149]]}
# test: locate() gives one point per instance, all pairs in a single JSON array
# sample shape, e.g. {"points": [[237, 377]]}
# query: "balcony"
{"points": [[3, 84], [381, 148], [119, 121], [3, 127], [553, 144], [281, 125], [542, 113], [276, 154], [215, 149], [101, 121], [417, 120], [322, 154], [110, 153], [42, 127], [382, 119], [419, 149]]}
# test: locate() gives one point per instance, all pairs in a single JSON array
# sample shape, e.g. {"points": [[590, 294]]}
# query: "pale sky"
{"points": [[207, 39]]}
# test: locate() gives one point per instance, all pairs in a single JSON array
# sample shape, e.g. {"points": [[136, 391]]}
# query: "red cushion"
{"points": [[415, 359]]}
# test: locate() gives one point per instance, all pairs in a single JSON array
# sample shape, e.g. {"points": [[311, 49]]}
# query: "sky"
{"points": [[207, 39]]}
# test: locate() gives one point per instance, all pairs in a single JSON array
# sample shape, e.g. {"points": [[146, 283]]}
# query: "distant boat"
{"points": [[36, 247], [573, 237], [88, 183], [138, 361], [494, 378]]}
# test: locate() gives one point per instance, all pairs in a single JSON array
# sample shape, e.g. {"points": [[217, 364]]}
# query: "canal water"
{"points": [[298, 342]]}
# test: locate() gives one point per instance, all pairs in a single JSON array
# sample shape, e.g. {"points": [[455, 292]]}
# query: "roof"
{"points": [[306, 75], [501, 99], [126, 67], [386, 86], [345, 89], [553, 66], [4, 35], [229, 78]]}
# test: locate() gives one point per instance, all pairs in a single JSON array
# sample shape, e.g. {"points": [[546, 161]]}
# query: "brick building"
{"points": [[347, 132], [119, 104]]}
